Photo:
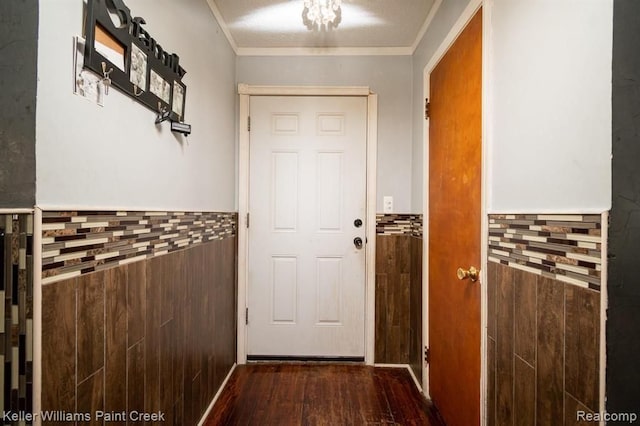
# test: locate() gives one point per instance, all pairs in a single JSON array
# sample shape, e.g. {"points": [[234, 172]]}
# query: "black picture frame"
{"points": [[130, 36]]}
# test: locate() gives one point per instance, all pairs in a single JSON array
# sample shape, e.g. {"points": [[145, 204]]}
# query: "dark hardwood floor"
{"points": [[321, 394]]}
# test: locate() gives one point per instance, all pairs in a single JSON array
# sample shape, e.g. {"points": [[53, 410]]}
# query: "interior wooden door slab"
{"points": [[455, 147]]}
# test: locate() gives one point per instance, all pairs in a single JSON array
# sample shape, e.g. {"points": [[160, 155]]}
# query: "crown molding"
{"points": [[427, 23], [324, 51], [223, 25]]}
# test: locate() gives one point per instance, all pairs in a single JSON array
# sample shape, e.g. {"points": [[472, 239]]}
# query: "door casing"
{"points": [[246, 91], [468, 13]]}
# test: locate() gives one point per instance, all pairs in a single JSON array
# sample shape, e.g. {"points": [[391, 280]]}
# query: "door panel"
{"points": [[454, 227], [328, 289], [330, 184], [284, 290], [285, 191], [307, 186]]}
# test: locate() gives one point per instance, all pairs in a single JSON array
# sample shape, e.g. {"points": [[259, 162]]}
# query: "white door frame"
{"points": [[246, 91], [457, 28]]}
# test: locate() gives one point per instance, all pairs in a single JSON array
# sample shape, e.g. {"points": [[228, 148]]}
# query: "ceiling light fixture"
{"points": [[322, 12]]}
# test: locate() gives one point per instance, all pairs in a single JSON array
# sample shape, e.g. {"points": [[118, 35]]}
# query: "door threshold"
{"points": [[289, 358]]}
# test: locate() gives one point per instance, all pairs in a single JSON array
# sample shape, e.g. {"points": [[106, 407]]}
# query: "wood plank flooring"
{"points": [[321, 394]]}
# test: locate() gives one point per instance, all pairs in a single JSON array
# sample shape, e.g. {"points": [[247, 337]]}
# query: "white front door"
{"points": [[306, 292]]}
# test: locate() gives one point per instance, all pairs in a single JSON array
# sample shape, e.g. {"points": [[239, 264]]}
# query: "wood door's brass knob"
{"points": [[472, 274]]}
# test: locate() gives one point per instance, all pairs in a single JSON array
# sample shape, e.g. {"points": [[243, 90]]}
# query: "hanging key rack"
{"points": [[147, 73]]}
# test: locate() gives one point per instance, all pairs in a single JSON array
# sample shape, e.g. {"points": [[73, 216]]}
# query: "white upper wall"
{"points": [[115, 156], [549, 105], [388, 76], [444, 19]]}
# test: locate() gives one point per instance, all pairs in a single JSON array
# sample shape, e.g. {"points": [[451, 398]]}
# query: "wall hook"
{"points": [[106, 80], [137, 93], [106, 73], [163, 114]]}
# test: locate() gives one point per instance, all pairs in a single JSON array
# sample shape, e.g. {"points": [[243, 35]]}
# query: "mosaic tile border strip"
{"points": [[562, 247], [399, 224], [77, 243], [16, 324]]}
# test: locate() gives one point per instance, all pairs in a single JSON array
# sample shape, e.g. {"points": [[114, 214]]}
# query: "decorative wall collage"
{"points": [[126, 56]]}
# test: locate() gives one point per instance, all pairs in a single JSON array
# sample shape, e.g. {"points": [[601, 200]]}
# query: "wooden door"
{"points": [[455, 227], [307, 190]]}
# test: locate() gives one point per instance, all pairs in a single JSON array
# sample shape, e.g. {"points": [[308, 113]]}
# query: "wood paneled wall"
{"points": [[154, 335], [399, 301], [543, 348]]}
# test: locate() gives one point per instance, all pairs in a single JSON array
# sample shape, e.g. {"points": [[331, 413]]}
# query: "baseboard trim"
{"points": [[216, 396]]}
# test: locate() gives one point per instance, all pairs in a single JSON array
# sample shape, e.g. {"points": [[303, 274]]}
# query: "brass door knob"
{"points": [[472, 274]]}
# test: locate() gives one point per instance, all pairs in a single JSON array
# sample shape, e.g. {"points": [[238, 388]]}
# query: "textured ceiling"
{"points": [[364, 24]]}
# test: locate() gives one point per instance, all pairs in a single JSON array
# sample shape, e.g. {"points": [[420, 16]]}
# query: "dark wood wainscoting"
{"points": [[399, 301], [543, 348], [154, 335]]}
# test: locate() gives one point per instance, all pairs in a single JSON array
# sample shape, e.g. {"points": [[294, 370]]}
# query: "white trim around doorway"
{"points": [[245, 92]]}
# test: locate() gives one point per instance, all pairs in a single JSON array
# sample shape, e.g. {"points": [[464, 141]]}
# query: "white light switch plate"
{"points": [[387, 204]]}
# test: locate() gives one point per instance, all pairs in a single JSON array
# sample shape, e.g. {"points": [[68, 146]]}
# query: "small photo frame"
{"points": [[178, 100], [160, 87], [138, 69]]}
